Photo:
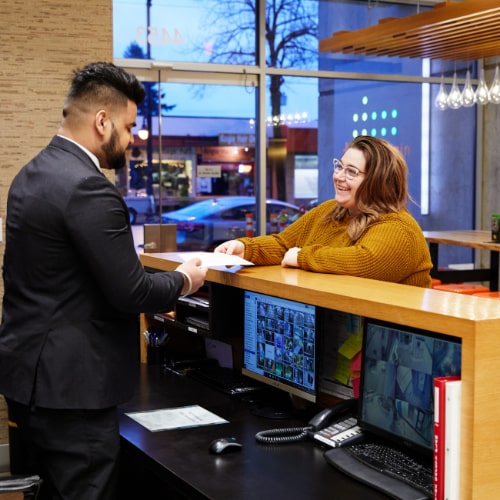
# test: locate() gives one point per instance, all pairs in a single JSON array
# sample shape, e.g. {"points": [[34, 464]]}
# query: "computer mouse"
{"points": [[224, 445]]}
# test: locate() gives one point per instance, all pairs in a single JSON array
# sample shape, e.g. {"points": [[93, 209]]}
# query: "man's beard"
{"points": [[114, 158]]}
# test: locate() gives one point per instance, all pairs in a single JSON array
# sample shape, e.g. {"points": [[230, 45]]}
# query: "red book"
{"points": [[439, 433]]}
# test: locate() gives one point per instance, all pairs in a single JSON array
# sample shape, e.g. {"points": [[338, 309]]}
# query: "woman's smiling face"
{"points": [[345, 184]]}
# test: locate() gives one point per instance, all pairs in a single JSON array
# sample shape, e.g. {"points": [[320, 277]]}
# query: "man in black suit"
{"points": [[74, 288]]}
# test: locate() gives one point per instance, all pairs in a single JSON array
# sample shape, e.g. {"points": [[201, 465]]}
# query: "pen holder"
{"points": [[156, 355]]}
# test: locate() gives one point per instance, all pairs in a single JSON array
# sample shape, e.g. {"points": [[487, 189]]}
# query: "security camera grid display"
{"points": [[397, 387], [280, 339]]}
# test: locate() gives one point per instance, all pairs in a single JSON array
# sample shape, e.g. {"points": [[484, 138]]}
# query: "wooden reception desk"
{"points": [[475, 320]]}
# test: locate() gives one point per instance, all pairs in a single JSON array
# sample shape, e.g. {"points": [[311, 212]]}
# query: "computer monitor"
{"points": [[280, 343], [399, 363]]}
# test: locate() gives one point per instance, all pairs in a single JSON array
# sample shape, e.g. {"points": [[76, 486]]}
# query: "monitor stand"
{"points": [[277, 405]]}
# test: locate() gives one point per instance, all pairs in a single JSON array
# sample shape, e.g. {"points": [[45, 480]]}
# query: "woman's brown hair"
{"points": [[384, 187]]}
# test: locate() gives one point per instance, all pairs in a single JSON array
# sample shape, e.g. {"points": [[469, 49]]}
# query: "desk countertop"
{"points": [[463, 238], [180, 457]]}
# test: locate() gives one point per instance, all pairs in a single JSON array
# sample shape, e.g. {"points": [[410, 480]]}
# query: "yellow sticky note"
{"points": [[343, 370], [351, 346]]}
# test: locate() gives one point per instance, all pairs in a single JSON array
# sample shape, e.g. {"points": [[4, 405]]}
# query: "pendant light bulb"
{"points": [[441, 101], [455, 96], [468, 94], [482, 92]]}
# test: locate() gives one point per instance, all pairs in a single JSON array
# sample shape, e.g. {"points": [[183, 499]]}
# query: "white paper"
{"points": [[176, 418], [210, 259], [452, 415]]}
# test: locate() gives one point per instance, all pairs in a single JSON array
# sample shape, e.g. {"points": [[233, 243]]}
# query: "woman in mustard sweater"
{"points": [[365, 231]]}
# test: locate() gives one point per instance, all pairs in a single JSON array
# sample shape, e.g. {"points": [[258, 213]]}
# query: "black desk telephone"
{"points": [[335, 427]]}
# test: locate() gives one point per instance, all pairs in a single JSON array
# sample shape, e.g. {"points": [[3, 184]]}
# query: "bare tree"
{"points": [[291, 42], [134, 51]]}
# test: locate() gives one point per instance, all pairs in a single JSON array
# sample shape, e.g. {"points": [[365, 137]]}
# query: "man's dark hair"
{"points": [[107, 83]]}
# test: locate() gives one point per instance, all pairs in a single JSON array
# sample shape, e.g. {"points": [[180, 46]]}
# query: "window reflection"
{"points": [[221, 31]]}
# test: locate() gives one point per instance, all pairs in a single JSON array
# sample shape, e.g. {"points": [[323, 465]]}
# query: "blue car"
{"points": [[205, 224]]}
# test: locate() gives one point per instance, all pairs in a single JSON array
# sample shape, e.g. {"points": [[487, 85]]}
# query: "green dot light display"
{"points": [[382, 122]]}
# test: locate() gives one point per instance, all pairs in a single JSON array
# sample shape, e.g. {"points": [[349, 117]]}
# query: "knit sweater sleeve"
{"points": [[269, 250], [393, 249]]}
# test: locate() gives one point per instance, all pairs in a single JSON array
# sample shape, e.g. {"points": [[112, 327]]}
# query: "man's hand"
{"points": [[194, 275]]}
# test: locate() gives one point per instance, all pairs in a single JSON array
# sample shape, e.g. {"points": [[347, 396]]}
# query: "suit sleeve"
{"points": [[97, 220]]}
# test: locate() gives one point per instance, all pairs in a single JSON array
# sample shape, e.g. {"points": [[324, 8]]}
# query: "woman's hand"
{"points": [[232, 247], [290, 258]]}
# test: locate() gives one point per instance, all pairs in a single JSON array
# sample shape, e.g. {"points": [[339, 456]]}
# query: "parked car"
{"points": [[139, 205], [207, 223]]}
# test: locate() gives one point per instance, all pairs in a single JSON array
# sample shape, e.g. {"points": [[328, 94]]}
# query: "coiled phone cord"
{"points": [[319, 421], [282, 435]]}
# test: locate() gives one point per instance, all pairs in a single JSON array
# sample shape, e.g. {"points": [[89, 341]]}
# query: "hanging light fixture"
{"points": [[468, 94], [482, 92], [495, 87], [143, 133], [455, 96], [442, 97]]}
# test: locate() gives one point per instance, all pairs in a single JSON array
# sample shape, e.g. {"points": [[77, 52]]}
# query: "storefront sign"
{"points": [[209, 171]]}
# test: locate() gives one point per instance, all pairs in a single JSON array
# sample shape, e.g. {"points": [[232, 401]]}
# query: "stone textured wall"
{"points": [[42, 42]]}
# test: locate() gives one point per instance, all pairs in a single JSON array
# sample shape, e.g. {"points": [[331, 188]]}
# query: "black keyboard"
{"points": [[385, 468], [226, 380]]}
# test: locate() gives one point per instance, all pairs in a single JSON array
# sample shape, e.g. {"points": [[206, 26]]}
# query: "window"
{"points": [[248, 108]]}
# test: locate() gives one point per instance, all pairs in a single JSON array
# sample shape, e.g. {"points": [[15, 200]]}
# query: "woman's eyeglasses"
{"points": [[350, 171]]}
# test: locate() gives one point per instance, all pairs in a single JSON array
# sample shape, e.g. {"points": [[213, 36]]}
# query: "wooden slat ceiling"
{"points": [[465, 31]]}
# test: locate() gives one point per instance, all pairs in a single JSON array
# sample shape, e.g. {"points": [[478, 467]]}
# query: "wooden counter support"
{"points": [[476, 320]]}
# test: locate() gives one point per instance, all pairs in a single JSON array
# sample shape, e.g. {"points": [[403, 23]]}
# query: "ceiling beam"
{"points": [[467, 30]]}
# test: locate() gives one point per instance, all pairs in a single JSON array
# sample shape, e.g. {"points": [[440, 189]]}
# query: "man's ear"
{"points": [[101, 119]]}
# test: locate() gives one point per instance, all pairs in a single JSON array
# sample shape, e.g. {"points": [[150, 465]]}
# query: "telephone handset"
{"points": [[335, 426], [327, 416]]}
